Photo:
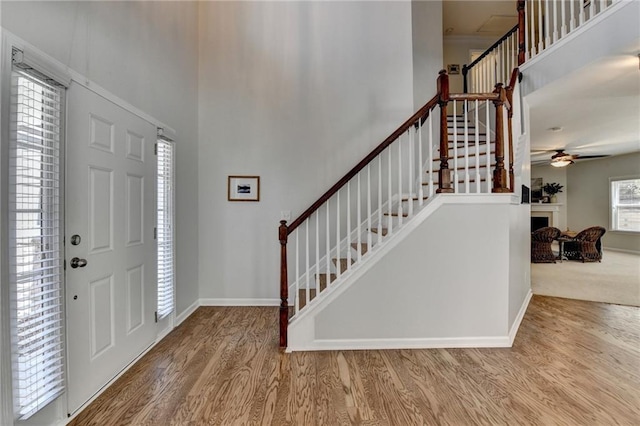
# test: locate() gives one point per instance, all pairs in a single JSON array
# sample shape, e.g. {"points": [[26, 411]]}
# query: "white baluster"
{"points": [[466, 146], [389, 203], [421, 164], [455, 147], [348, 227], [572, 17], [581, 14], [400, 181], [540, 28], [369, 206], [358, 212], [555, 20], [527, 41], [592, 9], [487, 126], [430, 154], [547, 11], [297, 287], [410, 177], [477, 127], [328, 246], [603, 5], [308, 290], [532, 27], [317, 280], [379, 233], [338, 271]]}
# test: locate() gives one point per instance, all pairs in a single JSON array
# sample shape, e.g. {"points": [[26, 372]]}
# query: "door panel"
{"points": [[110, 204]]}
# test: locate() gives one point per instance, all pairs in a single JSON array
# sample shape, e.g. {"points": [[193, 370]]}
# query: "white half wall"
{"points": [[297, 93], [446, 284]]}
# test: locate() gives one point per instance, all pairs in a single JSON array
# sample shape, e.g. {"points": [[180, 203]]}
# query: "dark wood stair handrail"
{"points": [[422, 113]]}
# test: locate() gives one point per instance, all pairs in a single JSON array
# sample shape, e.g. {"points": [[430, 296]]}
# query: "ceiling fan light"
{"points": [[561, 162]]}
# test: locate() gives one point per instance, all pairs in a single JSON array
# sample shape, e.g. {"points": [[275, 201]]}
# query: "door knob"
{"points": [[76, 262]]}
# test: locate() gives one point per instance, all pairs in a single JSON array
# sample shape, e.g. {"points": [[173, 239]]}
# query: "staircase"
{"points": [[470, 150], [461, 150]]}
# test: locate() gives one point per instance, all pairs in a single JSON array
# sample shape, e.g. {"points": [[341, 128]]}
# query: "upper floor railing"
{"points": [[541, 24]]}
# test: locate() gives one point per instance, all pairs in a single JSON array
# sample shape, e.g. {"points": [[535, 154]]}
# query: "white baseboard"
{"points": [[240, 302], [187, 313], [516, 324], [416, 343]]}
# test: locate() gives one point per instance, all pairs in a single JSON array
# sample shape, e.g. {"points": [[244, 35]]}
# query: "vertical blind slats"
{"points": [[35, 241], [165, 235]]}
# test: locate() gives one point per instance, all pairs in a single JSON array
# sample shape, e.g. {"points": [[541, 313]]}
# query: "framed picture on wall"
{"points": [[243, 188], [453, 69]]}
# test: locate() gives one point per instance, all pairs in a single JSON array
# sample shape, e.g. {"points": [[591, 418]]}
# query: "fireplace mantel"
{"points": [[550, 210]]}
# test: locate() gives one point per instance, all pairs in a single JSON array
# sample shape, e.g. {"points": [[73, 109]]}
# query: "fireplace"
{"points": [[539, 222]]}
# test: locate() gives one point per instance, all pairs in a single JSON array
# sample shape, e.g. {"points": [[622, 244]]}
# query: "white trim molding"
{"points": [[516, 323]]}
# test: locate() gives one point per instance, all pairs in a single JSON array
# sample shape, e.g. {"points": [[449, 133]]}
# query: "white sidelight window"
{"points": [[166, 250], [625, 204], [35, 239]]}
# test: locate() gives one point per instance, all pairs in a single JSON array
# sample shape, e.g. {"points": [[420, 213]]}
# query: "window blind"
{"points": [[165, 234], [36, 270]]}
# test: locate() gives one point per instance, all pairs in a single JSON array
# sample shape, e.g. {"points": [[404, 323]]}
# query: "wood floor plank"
{"points": [[573, 362]]}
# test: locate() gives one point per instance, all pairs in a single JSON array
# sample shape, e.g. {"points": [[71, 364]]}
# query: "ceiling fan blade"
{"points": [[582, 157]]}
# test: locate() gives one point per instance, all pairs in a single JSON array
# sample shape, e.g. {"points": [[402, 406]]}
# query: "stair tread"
{"points": [[459, 181], [413, 197], [396, 214], [364, 247], [343, 263], [383, 230]]}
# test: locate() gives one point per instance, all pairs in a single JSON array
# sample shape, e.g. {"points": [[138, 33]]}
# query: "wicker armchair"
{"points": [[541, 240], [585, 246]]}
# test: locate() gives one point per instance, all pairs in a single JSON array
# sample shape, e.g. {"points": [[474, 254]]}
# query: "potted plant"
{"points": [[552, 189]]}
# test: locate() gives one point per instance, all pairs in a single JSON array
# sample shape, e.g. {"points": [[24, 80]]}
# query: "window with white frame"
{"points": [[625, 204], [35, 239], [165, 207]]}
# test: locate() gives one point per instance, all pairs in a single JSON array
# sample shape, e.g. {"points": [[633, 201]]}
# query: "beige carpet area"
{"points": [[615, 280]]}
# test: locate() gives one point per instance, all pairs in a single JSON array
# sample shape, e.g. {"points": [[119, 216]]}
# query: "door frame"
{"points": [[57, 410]]}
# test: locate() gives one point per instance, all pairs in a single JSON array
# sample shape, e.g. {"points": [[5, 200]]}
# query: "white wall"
{"points": [[445, 284], [426, 25], [588, 200], [551, 174], [146, 54], [297, 93]]}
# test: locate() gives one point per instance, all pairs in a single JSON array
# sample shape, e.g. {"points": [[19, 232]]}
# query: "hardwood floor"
{"points": [[573, 363]]}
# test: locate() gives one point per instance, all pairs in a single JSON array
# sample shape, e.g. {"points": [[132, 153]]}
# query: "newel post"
{"points": [[444, 174], [499, 174], [509, 92], [521, 36], [284, 284]]}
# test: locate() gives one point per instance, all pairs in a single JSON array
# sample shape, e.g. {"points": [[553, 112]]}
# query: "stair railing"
{"points": [[494, 65], [391, 184], [548, 21]]}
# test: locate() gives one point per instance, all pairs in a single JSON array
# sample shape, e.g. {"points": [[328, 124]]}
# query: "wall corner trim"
{"points": [[516, 324]]}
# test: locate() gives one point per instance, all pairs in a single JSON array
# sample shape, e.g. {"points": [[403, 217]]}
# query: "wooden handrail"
{"points": [[466, 68], [421, 113]]}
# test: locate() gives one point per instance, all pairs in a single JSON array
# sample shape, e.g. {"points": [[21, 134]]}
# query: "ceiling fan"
{"points": [[562, 159]]}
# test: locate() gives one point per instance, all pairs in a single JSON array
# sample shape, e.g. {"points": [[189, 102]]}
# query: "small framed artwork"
{"points": [[243, 188], [453, 69]]}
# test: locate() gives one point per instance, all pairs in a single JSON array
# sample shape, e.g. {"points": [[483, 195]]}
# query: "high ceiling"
{"points": [[596, 107], [479, 17]]}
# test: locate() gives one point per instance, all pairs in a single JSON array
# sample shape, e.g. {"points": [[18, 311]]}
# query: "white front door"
{"points": [[109, 241]]}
